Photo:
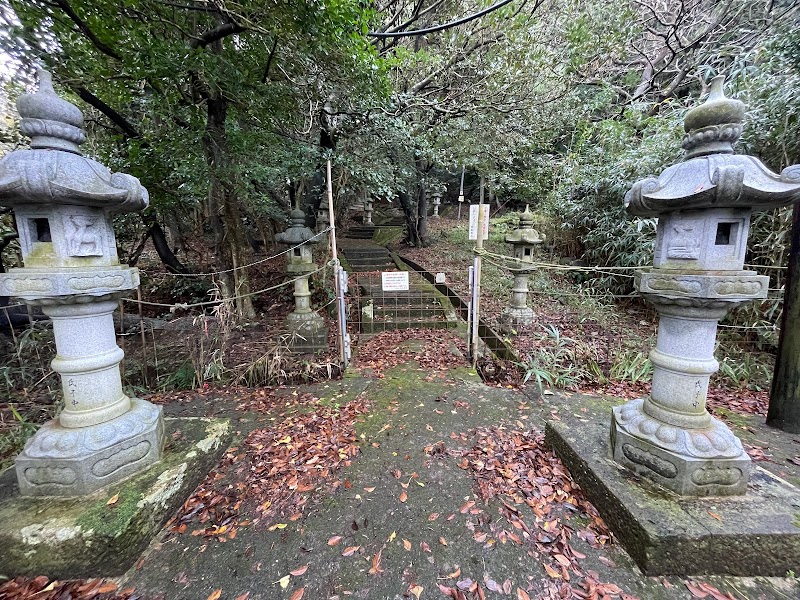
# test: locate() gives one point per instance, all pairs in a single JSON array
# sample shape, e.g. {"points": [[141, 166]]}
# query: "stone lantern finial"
{"points": [[50, 122], [715, 126]]}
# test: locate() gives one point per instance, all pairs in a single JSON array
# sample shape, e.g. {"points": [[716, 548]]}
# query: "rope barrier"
{"points": [[247, 266], [184, 306], [553, 267]]}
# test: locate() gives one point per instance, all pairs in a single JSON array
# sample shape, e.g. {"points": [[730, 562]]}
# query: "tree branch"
{"points": [[81, 24], [269, 61], [120, 121], [216, 34]]}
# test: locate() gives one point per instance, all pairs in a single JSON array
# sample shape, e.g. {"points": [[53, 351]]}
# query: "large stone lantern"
{"points": [[309, 326], [703, 205], [524, 240], [63, 203]]}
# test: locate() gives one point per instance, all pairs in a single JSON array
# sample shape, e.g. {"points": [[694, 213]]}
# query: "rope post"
{"points": [[476, 288], [336, 269]]}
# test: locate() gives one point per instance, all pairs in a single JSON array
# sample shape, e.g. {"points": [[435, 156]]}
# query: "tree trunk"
{"points": [[784, 397], [223, 209], [410, 212], [165, 253], [422, 215]]}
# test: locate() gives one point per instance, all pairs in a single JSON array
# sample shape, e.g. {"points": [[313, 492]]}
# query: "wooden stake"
{"points": [[144, 338]]}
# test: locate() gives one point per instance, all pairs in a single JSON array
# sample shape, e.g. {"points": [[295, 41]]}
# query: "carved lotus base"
{"points": [[61, 461], [515, 315], [690, 462]]}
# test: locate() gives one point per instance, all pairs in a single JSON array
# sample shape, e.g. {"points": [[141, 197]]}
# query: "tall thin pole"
{"points": [[476, 297], [336, 268], [330, 212], [461, 192]]}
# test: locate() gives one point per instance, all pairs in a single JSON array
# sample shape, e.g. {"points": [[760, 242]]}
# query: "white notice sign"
{"points": [[473, 221], [394, 281]]}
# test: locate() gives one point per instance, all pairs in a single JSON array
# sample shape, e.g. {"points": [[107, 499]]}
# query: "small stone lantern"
{"points": [[323, 222], [312, 334], [703, 205], [437, 202], [63, 204], [368, 207], [524, 240]]}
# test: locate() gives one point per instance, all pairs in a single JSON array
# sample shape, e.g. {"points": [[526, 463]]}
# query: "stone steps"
{"points": [[418, 307], [360, 232]]}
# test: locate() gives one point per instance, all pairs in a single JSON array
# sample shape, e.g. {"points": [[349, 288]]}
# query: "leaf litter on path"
{"points": [[270, 476]]}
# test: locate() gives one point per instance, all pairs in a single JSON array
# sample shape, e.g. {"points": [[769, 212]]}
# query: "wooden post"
{"points": [[476, 297], [142, 334]]}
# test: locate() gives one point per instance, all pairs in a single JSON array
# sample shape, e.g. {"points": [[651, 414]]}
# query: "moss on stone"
{"points": [[86, 537]]}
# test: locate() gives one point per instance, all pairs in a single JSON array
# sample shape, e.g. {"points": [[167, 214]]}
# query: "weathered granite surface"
{"points": [[524, 240], [310, 333], [85, 537], [757, 533]]}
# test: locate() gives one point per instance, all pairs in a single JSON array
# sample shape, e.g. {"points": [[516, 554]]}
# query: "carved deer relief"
{"points": [[83, 235]]}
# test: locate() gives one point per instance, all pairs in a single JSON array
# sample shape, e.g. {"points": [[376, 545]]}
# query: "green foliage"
{"points": [[745, 370], [631, 366], [602, 162], [553, 363], [183, 378], [12, 439]]}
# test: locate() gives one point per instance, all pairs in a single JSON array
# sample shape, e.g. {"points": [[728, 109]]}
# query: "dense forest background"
{"points": [[227, 111]]}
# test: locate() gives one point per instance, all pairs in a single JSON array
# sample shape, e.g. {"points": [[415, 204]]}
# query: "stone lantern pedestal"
{"points": [[309, 327], [63, 207], [524, 240], [704, 205]]}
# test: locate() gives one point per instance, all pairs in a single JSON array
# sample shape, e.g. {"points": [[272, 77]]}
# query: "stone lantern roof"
{"points": [[297, 233], [53, 171], [711, 175], [524, 232]]}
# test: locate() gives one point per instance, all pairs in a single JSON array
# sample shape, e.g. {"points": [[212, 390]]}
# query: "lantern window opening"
{"points": [[527, 251], [726, 234], [297, 252], [40, 228]]}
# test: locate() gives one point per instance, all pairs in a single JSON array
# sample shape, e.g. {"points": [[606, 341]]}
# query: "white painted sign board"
{"points": [[394, 281], [473, 221]]}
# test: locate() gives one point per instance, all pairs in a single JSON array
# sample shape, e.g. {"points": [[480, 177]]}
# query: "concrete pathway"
{"points": [[407, 500]]}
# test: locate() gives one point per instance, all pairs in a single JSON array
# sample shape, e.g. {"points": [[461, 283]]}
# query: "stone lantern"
{"points": [[323, 222], [524, 240], [437, 202], [368, 206], [63, 204], [312, 335], [703, 205]]}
